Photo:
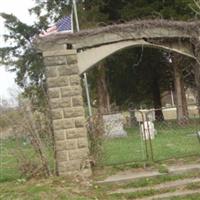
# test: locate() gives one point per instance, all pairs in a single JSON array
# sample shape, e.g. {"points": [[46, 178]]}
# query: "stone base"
{"points": [[85, 173]]}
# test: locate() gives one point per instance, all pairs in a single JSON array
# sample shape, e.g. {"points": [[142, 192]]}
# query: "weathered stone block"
{"points": [[80, 122], [75, 154], [73, 165], [63, 124], [51, 72], [54, 93], [71, 91], [82, 143], [65, 102], [68, 167], [68, 123], [60, 145], [53, 46], [71, 133], [65, 70], [58, 82], [65, 95], [74, 80], [57, 114], [77, 101], [71, 144], [58, 50], [78, 154], [71, 59], [58, 124], [55, 60], [76, 133], [62, 156], [61, 167], [73, 112], [60, 103], [60, 135], [81, 132]]}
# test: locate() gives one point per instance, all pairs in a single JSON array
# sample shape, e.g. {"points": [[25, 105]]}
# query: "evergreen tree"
{"points": [[22, 57]]}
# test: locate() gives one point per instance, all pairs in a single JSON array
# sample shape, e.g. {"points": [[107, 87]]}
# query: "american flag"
{"points": [[63, 25]]}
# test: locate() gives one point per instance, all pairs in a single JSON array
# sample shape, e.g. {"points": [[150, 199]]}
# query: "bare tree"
{"points": [[102, 90], [32, 126], [196, 7], [181, 103]]}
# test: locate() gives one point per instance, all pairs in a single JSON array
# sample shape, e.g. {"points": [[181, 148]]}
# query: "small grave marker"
{"points": [[148, 131], [113, 125]]}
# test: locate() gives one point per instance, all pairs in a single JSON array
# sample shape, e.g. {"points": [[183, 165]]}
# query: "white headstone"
{"points": [[113, 125], [148, 131], [143, 115]]}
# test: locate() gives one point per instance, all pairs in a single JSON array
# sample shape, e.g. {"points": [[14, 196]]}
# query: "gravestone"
{"points": [[133, 119], [113, 125], [144, 115], [147, 129]]}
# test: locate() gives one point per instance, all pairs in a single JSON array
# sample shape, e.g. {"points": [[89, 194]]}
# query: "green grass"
{"points": [[189, 197], [160, 179], [12, 152], [172, 141], [123, 150], [58, 188], [143, 194], [43, 189], [150, 182], [8, 162]]}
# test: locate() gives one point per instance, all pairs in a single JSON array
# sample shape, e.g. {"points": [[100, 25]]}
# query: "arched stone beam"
{"points": [[66, 56], [91, 56], [138, 30]]}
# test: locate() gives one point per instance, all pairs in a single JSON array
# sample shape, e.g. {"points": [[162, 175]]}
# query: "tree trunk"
{"points": [[157, 100], [197, 81], [181, 104], [184, 100], [196, 44], [102, 90]]}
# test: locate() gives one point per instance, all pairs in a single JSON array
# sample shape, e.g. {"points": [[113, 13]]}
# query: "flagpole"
{"points": [[85, 75], [76, 16], [87, 94]]}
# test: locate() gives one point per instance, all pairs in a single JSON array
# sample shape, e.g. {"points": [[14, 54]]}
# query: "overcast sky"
{"points": [[20, 9]]}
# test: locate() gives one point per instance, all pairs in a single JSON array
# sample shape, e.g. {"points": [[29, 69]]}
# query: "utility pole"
{"points": [[85, 75]]}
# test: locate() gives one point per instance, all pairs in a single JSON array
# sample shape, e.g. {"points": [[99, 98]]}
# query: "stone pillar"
{"points": [[65, 96]]}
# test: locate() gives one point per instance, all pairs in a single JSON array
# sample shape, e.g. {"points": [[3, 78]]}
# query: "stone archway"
{"points": [[66, 56]]}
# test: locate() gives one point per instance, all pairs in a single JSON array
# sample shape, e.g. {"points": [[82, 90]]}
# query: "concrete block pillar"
{"points": [[66, 102]]}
